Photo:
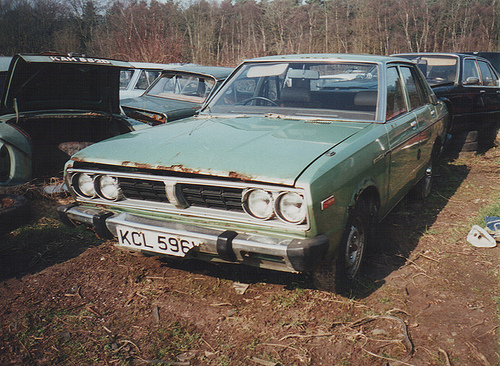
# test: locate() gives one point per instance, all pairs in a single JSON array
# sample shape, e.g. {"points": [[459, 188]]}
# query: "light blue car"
{"points": [[51, 107]]}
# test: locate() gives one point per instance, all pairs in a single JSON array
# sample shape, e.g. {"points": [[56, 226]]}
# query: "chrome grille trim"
{"points": [[176, 204]]}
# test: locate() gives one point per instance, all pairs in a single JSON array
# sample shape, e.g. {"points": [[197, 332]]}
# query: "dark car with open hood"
{"points": [[52, 106]]}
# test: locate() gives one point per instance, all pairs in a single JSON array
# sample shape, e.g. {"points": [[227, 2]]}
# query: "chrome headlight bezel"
{"points": [[251, 199], [281, 210], [107, 187], [83, 185]]}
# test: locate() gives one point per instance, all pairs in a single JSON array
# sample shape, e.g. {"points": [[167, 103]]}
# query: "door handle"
{"points": [[413, 124]]}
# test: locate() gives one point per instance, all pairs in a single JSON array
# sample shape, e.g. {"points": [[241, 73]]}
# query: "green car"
{"points": [[179, 92], [289, 166]]}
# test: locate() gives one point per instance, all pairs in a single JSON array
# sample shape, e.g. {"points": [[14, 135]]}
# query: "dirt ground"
{"points": [[427, 297]]}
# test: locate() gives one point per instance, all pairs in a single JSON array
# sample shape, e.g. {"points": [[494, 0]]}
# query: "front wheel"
{"points": [[340, 273]]}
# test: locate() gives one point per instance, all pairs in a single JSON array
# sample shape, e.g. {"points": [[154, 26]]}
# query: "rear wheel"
{"points": [[339, 274]]}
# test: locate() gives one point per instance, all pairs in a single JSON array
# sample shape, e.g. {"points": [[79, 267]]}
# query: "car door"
{"points": [[472, 95], [419, 102], [403, 130], [490, 91]]}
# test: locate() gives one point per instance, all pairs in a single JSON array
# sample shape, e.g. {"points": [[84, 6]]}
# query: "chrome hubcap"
{"points": [[354, 251]]}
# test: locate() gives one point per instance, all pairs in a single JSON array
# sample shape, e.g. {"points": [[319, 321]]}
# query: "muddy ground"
{"points": [[427, 297]]}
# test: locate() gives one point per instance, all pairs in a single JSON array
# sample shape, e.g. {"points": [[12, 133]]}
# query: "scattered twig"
{"points": [[24, 347], [208, 344], [478, 354], [386, 358], [490, 331], [306, 336], [446, 357], [125, 342], [429, 258], [263, 362], [89, 308]]}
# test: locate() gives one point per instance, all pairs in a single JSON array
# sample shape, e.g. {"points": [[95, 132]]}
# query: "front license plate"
{"points": [[158, 242]]}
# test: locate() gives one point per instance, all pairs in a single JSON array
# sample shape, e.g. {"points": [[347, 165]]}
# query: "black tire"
{"points": [[339, 274], [14, 210]]}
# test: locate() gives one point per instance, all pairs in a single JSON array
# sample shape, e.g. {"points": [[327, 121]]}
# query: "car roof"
{"points": [[329, 57], [153, 65], [218, 72], [454, 54]]}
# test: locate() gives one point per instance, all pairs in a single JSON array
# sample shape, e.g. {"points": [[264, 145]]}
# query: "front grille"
{"points": [[212, 197], [145, 190]]}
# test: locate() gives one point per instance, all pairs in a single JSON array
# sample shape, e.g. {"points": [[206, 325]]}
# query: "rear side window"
{"points": [[415, 90], [488, 77], [395, 99]]}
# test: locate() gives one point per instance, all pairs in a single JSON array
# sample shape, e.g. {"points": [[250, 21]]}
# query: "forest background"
{"points": [[229, 31]]}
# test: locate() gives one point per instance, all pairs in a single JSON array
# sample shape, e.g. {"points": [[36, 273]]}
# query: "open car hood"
{"points": [[52, 82]]}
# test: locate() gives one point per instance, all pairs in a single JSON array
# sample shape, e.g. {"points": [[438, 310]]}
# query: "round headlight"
{"points": [[85, 185], [259, 203], [291, 207], [109, 188]]}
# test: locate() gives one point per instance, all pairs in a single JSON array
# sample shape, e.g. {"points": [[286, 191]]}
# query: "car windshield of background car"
{"points": [[331, 90], [187, 87]]}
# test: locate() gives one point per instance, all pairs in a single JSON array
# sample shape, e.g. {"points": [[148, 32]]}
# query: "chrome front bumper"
{"points": [[272, 252]]}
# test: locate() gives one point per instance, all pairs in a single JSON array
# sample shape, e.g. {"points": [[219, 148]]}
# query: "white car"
{"points": [[135, 81]]}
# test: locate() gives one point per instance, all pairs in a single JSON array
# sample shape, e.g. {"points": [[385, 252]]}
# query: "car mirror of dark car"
{"points": [[472, 80]]}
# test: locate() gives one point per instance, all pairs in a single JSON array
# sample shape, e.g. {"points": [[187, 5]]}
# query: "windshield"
{"points": [[346, 90], [189, 87], [438, 69]]}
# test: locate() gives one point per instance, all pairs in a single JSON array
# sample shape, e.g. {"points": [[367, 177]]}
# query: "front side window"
{"points": [[471, 74], [343, 90], [488, 76], [395, 94], [189, 87]]}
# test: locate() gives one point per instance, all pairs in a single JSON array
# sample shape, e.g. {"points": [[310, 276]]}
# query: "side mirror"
{"points": [[434, 99], [472, 80]]}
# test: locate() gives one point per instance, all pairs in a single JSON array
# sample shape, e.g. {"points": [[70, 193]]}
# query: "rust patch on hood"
{"points": [[240, 176]]}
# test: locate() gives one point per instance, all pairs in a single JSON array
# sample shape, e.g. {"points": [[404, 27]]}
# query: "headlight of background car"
{"points": [[290, 206], [108, 187], [84, 184], [259, 203]]}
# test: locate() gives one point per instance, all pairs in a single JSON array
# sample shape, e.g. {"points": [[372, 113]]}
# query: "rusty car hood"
{"points": [[55, 82], [169, 107], [273, 150]]}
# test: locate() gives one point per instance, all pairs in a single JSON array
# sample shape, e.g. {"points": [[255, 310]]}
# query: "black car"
{"points": [[469, 85]]}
